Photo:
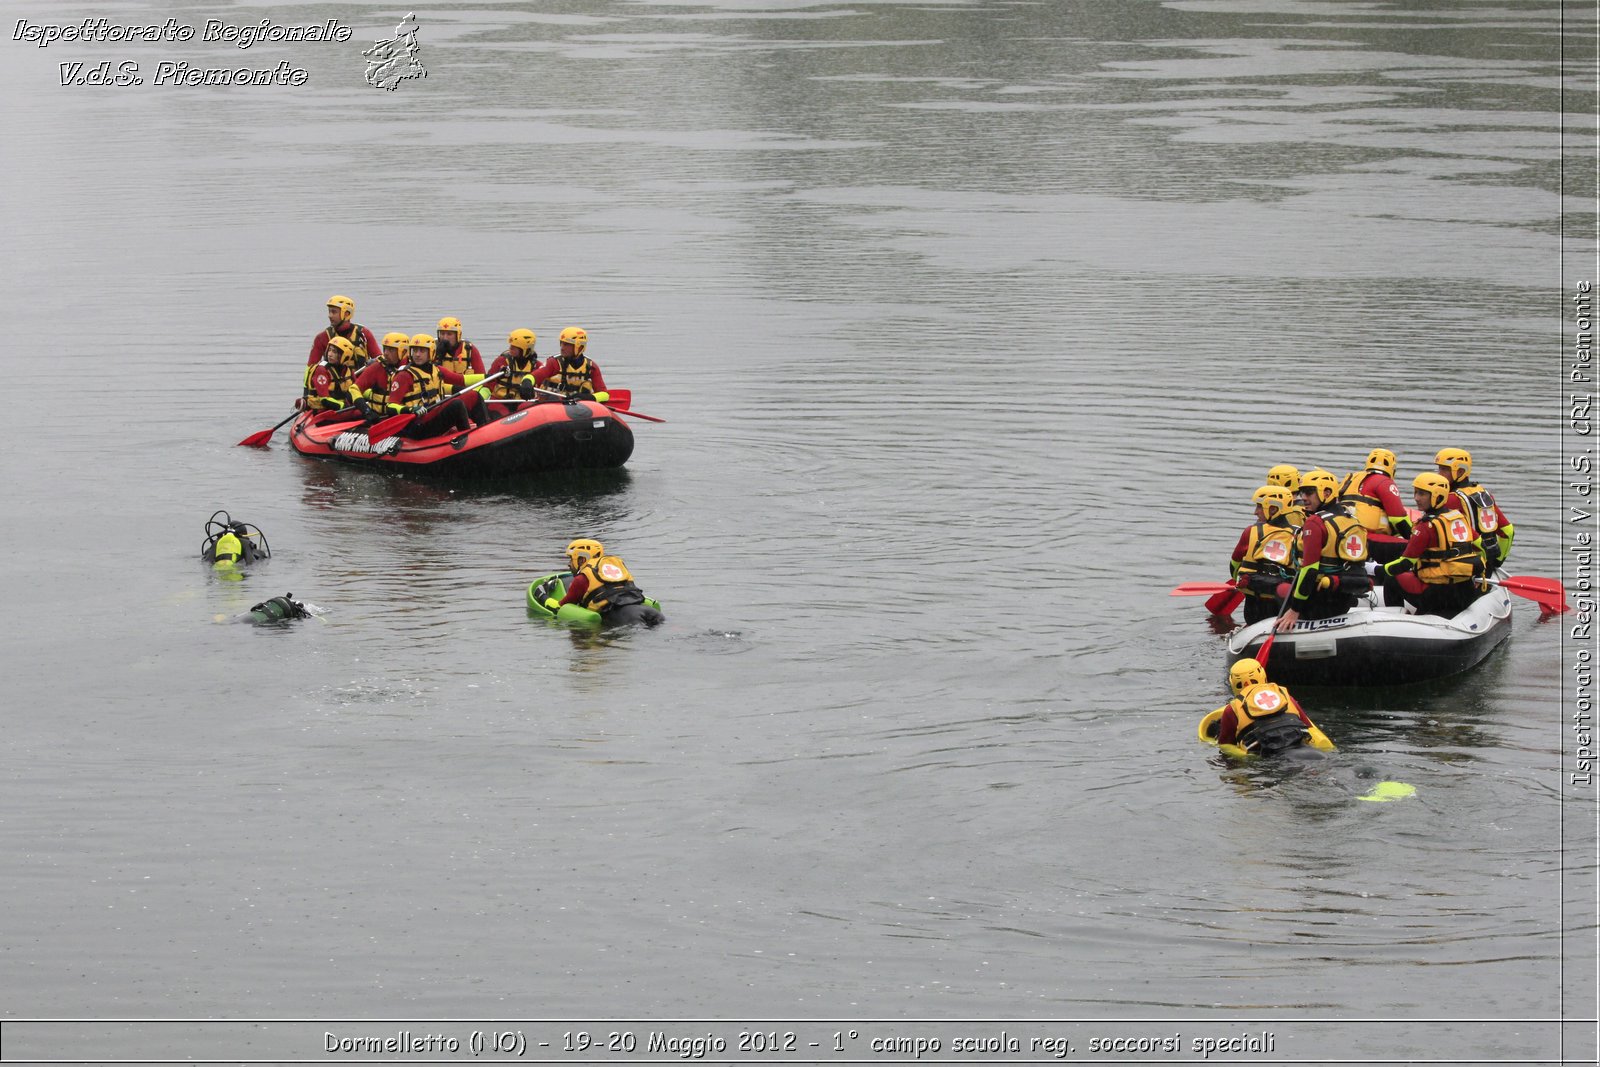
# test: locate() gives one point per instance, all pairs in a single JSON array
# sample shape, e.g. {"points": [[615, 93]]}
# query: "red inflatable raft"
{"points": [[541, 436]]}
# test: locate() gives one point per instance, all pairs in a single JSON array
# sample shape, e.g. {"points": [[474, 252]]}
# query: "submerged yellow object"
{"points": [[1389, 791]]}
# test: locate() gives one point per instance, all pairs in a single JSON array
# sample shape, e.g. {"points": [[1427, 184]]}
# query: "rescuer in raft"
{"points": [[341, 316], [572, 372], [1289, 478], [1488, 521], [454, 352], [419, 387], [372, 385], [1374, 499], [1333, 547], [1439, 570], [603, 584], [1264, 557], [1262, 718], [519, 361], [331, 383]]}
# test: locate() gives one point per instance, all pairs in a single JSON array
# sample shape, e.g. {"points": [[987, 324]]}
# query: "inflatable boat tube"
{"points": [[1377, 645], [539, 436]]}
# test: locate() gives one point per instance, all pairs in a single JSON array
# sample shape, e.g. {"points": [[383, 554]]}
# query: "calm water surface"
{"points": [[974, 325]]}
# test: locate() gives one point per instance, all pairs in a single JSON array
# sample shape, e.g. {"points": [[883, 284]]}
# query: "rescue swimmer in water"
{"points": [[1262, 719], [602, 584]]}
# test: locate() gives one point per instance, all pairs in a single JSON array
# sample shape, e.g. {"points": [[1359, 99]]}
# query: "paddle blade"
{"points": [[1200, 588], [389, 427], [1225, 602], [620, 398], [258, 439], [1546, 592]]}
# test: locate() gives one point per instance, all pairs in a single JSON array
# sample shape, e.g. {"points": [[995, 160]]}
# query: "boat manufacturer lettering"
{"points": [[515, 416], [1305, 625], [355, 441]]}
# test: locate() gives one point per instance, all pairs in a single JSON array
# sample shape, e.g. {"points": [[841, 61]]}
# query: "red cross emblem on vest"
{"points": [[1352, 545], [611, 572], [1487, 520], [1459, 530], [1267, 700], [1276, 551]]}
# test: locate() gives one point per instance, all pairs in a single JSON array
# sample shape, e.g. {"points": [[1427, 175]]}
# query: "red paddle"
{"points": [[260, 438], [608, 405], [1201, 588], [1546, 592], [1224, 602]]}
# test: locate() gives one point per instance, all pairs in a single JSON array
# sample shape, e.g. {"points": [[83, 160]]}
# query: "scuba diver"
{"points": [[1262, 719], [602, 584], [276, 609], [230, 543]]}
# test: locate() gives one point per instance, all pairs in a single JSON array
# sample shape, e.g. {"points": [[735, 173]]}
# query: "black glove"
{"points": [[525, 390], [583, 394]]}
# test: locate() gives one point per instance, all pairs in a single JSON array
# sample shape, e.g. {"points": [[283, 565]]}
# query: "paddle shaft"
{"points": [[382, 431], [261, 437], [620, 411]]}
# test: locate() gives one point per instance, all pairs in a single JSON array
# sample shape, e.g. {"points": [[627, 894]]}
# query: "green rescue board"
{"points": [[554, 585]]}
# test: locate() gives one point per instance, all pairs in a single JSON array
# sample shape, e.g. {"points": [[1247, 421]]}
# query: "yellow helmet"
{"points": [[422, 340], [450, 322], [1458, 461], [1244, 673], [1273, 500], [1381, 459], [346, 306], [583, 551], [1435, 485], [522, 339], [1322, 482], [340, 352], [397, 340], [576, 337], [1284, 475]]}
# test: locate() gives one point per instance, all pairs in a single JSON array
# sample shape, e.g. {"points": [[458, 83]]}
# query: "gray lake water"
{"points": [[974, 326]]}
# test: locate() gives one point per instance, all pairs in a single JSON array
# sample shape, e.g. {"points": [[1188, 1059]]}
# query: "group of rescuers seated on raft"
{"points": [[1319, 543], [349, 371]]}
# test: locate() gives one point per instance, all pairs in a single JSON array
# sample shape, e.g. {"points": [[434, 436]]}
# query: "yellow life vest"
{"points": [[380, 392], [1368, 510], [1456, 555], [341, 388], [572, 379], [1270, 549], [1478, 504], [505, 387], [1261, 703], [358, 337], [1344, 540], [610, 585], [461, 362], [1294, 515], [425, 387]]}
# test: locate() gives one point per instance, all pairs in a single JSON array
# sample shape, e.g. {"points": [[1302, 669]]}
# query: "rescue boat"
{"points": [[540, 436], [1377, 645], [555, 585]]}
